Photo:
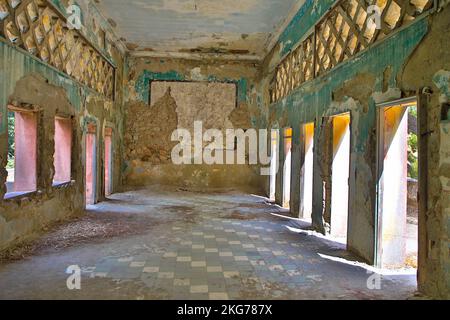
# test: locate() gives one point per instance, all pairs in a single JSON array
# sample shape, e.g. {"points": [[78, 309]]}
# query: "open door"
{"points": [[108, 161], [307, 171], [274, 163], [91, 164], [340, 176], [398, 171], [287, 169]]}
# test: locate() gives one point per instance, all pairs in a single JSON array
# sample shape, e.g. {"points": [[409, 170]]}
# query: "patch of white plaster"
{"points": [[441, 80], [196, 74], [389, 95], [349, 104]]}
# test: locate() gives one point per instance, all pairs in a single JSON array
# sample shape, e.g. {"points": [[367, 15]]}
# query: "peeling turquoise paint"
{"points": [[59, 5], [442, 81], [16, 64], [87, 120], [303, 21], [242, 86], [313, 101], [314, 98], [142, 85], [242, 90], [124, 167], [63, 9]]}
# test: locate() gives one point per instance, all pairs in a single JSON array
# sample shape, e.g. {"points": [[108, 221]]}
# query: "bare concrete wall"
{"points": [[220, 94]]}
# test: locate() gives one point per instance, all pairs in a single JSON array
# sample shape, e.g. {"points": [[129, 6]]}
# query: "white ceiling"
{"points": [[237, 27]]}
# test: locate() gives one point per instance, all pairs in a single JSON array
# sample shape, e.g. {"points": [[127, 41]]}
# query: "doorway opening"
{"points": [[91, 164], [287, 168], [398, 172], [307, 172], [63, 151], [340, 176], [274, 163], [108, 161]]}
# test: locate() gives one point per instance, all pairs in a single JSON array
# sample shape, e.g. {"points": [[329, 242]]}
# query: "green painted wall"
{"points": [[303, 21], [15, 64], [142, 85], [313, 98]]}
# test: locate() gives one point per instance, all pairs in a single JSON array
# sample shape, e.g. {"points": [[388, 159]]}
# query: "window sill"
{"points": [[62, 185], [18, 195], [14, 196]]}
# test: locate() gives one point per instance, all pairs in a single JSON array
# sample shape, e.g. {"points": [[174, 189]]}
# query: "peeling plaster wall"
{"points": [[151, 145], [399, 66], [209, 102], [26, 81], [429, 66], [148, 161]]}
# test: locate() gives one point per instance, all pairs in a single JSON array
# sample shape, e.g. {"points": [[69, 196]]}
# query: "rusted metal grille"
{"points": [[346, 30], [37, 27]]}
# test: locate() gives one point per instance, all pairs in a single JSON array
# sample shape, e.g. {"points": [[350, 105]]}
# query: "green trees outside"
{"points": [[413, 148]]}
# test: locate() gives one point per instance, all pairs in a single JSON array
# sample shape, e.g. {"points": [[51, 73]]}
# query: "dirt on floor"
{"points": [[95, 227], [237, 215], [274, 262]]}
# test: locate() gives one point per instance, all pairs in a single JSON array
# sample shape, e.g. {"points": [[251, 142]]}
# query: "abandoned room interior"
{"points": [[350, 97]]}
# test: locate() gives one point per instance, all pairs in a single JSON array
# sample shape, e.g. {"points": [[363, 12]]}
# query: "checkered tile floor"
{"points": [[231, 247], [212, 260]]}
